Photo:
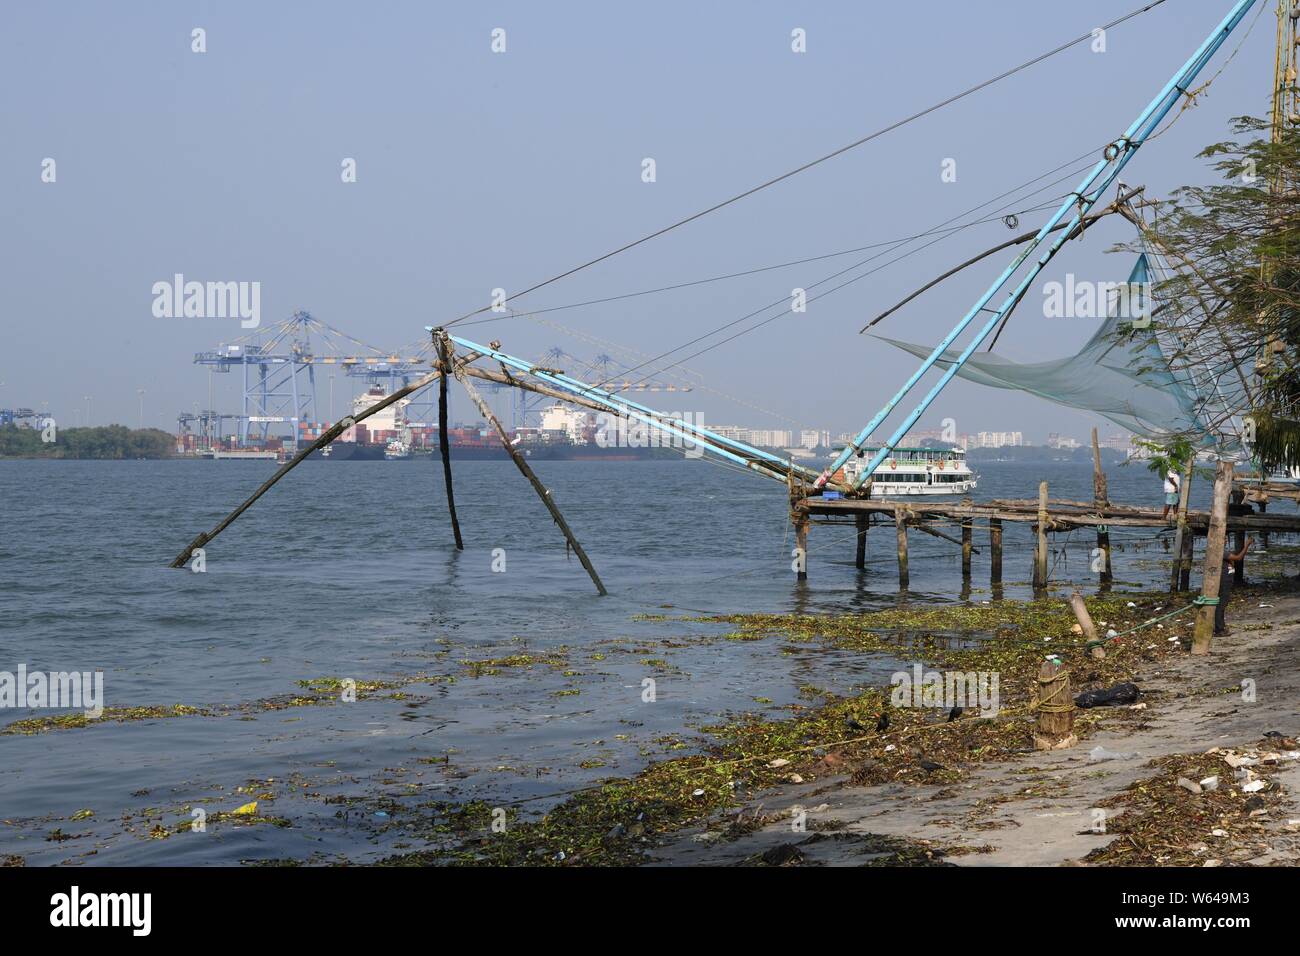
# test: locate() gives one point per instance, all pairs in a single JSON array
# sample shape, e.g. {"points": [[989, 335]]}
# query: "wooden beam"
{"points": [[444, 444], [1182, 536], [860, 558], [1040, 553], [329, 435], [542, 491], [1101, 499]]}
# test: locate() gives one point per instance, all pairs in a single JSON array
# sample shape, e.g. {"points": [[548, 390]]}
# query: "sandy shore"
{"points": [[1039, 809]]}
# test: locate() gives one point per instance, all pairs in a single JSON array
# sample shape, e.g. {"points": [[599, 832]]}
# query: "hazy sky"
{"points": [[478, 170]]}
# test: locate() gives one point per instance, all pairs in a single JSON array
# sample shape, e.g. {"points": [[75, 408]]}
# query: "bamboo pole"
{"points": [[995, 550], [1214, 542], [900, 525], [329, 435], [1101, 498], [542, 491], [444, 444], [1182, 553], [860, 558]]}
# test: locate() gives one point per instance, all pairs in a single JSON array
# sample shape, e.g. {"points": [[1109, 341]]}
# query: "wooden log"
{"points": [[995, 550], [1055, 729], [1040, 554], [444, 445], [1185, 572], [860, 558], [800, 518], [1085, 624], [1101, 498], [1182, 535], [900, 524], [542, 491], [1204, 632], [1263, 537]]}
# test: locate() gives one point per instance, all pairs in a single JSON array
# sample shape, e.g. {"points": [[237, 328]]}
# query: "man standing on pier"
{"points": [[1172, 480]]}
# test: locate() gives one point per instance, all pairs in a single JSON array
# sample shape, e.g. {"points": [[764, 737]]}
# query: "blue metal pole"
{"points": [[1117, 156], [702, 437]]}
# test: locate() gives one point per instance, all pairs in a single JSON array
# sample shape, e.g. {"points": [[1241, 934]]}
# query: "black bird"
{"points": [[929, 766], [883, 723], [855, 724], [954, 714]]}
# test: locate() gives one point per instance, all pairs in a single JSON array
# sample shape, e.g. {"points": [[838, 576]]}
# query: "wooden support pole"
{"points": [[330, 434], [966, 527], [801, 522], [860, 559], [900, 524], [995, 550], [1055, 729], [1182, 537], [1214, 542], [542, 491], [1263, 536], [1040, 553], [1101, 498], [444, 444], [1085, 623]]}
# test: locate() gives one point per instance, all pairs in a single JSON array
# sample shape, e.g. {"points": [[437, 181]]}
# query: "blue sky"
{"points": [[479, 170]]}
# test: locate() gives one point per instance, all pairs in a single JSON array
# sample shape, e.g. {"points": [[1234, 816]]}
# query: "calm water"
{"points": [[347, 570]]}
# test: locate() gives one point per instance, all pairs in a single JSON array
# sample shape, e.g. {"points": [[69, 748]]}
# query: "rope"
{"points": [[1049, 705], [831, 155]]}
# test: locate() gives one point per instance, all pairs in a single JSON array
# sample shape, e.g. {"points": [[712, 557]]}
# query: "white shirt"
{"points": [[1171, 482]]}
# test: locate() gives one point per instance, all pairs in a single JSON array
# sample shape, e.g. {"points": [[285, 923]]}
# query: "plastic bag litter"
{"points": [[1098, 754], [1117, 696]]}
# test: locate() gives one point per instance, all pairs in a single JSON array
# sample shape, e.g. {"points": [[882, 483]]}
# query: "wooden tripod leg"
{"points": [[444, 445], [542, 491]]}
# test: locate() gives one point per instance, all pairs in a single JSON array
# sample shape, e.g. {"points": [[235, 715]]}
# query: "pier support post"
{"points": [[900, 524], [1040, 553], [1214, 542], [1101, 498], [995, 550], [800, 519], [1263, 535], [966, 528], [1055, 729], [860, 559]]}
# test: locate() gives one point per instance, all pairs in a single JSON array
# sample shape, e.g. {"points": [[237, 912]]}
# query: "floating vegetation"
{"points": [[619, 821]]}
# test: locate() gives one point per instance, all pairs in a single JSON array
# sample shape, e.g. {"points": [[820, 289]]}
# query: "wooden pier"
{"points": [[1044, 516]]}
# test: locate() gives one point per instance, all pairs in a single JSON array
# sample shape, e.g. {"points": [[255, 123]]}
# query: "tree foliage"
{"points": [[111, 442]]}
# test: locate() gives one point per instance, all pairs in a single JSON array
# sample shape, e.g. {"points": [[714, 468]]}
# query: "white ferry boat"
{"points": [[915, 471]]}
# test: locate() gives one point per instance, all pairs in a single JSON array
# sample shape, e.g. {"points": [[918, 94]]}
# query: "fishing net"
{"points": [[1124, 373]]}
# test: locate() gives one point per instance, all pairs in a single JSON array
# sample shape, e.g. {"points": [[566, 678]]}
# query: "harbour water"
{"points": [[348, 572]]}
